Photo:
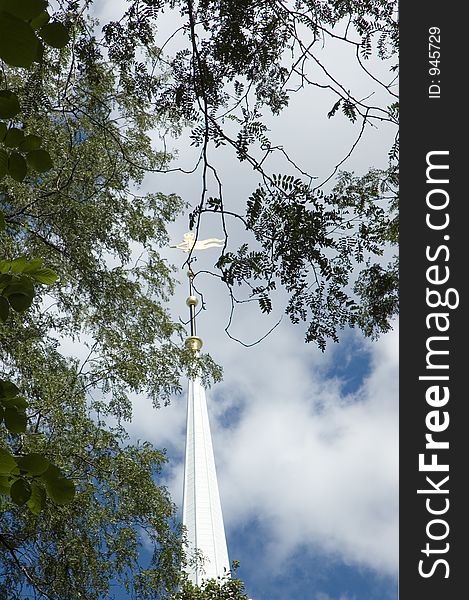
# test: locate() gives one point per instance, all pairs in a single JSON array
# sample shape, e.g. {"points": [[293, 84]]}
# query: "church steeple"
{"points": [[201, 514]]}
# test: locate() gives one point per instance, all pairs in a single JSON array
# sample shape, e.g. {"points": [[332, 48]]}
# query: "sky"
{"points": [[305, 442], [306, 452]]}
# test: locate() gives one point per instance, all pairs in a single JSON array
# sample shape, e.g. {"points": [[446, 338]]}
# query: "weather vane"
{"points": [[189, 244]]}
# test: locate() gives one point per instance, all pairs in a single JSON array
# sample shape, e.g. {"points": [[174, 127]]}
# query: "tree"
{"points": [[224, 588], [27, 478], [80, 550], [75, 209], [237, 60]]}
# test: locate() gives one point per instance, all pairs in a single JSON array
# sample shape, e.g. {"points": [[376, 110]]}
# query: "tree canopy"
{"points": [[73, 208], [80, 103], [223, 588], [236, 61]]}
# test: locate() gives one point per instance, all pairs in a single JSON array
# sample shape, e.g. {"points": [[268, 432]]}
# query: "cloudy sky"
{"points": [[305, 442], [306, 452]]}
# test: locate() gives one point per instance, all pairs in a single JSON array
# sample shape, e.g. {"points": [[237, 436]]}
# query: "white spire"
{"points": [[202, 514], [201, 507]]}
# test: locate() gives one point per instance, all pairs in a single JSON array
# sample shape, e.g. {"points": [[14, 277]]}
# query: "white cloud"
{"points": [[314, 467]]}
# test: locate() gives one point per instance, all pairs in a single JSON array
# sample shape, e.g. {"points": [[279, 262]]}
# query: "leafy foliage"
{"points": [[20, 25], [25, 478], [312, 243], [224, 588], [239, 59], [67, 177], [73, 549], [17, 279]]}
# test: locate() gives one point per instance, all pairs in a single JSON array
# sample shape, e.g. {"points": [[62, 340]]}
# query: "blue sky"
{"points": [[306, 574]]}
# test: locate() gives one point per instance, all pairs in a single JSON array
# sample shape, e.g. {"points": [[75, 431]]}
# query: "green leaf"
{"points": [[17, 167], [17, 265], [40, 20], [5, 485], [33, 265], [38, 498], [18, 402], [61, 490], [3, 163], [15, 420], [55, 34], [9, 105], [4, 309], [21, 284], [20, 302], [30, 142], [8, 389], [3, 223], [23, 9], [7, 462], [13, 137], [20, 492], [40, 52], [5, 266], [53, 473], [20, 293], [3, 130], [34, 463], [18, 43], [5, 279], [39, 160], [47, 276]]}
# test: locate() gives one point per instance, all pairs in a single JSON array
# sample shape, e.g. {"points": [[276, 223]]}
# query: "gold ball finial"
{"points": [[192, 301], [195, 343]]}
